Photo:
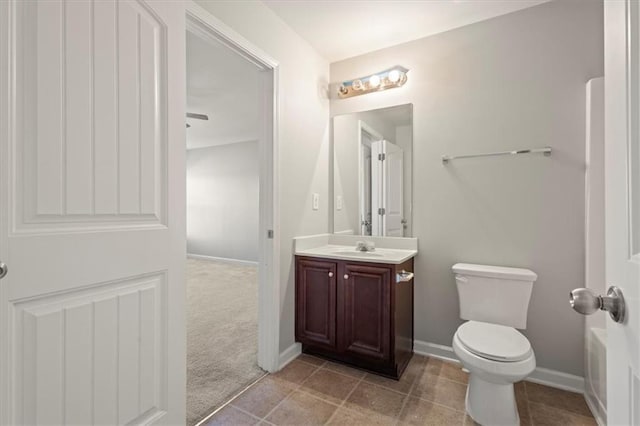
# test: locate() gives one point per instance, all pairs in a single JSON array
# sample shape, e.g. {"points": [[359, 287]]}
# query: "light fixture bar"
{"points": [[387, 79]]}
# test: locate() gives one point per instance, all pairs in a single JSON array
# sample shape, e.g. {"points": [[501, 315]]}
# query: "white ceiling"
{"points": [[224, 86], [346, 28]]}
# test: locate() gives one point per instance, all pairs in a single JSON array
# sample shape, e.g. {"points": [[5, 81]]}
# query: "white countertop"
{"points": [[343, 252]]}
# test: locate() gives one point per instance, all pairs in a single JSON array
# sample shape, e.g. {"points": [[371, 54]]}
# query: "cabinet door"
{"points": [[316, 302], [366, 301]]}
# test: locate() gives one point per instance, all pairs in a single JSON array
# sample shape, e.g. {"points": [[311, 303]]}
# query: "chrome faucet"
{"points": [[365, 246]]}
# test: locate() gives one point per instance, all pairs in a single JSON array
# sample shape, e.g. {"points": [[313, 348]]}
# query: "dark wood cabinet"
{"points": [[355, 312], [367, 310], [316, 303]]}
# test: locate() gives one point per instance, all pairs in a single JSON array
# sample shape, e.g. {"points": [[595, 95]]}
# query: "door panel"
{"points": [[393, 190], [316, 302], [387, 164], [622, 205], [92, 143], [67, 342], [367, 310]]}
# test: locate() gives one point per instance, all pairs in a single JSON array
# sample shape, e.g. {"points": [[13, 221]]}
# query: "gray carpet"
{"points": [[222, 334]]}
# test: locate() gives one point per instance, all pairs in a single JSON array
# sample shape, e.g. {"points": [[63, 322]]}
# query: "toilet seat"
{"points": [[494, 342]]}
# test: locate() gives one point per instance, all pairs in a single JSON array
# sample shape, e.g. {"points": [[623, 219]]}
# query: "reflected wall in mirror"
{"points": [[372, 172]]}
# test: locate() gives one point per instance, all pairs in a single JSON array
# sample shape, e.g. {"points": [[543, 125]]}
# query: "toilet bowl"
{"points": [[496, 357], [494, 300]]}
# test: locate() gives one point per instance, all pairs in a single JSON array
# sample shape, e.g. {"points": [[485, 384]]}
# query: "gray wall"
{"points": [[515, 81], [222, 201]]}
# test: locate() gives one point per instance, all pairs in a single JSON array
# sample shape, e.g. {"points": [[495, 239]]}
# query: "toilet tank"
{"points": [[494, 294]]}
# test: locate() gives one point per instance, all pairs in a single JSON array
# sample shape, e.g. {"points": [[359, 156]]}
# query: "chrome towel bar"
{"points": [[546, 151]]}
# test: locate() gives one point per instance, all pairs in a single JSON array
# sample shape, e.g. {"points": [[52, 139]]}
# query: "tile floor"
{"points": [[311, 391]]}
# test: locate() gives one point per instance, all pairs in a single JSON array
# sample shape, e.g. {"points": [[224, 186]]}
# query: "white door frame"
{"points": [[199, 19], [6, 132], [364, 127]]}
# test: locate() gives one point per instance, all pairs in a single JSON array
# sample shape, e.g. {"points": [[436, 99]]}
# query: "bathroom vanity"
{"points": [[356, 307]]}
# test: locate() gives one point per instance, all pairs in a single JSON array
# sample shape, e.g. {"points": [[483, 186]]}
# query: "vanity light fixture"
{"points": [[387, 79]]}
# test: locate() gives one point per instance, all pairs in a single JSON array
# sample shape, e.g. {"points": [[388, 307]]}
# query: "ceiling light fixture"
{"points": [[388, 79]]}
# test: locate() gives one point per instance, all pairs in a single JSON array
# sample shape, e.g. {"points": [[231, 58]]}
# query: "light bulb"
{"points": [[357, 85], [394, 76], [374, 81]]}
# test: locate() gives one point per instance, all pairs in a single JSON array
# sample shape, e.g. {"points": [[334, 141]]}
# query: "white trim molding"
{"points": [[204, 23], [593, 405], [543, 376], [289, 354], [222, 259]]}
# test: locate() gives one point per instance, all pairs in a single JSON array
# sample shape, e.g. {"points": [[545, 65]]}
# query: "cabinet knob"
{"points": [[330, 274], [346, 276]]}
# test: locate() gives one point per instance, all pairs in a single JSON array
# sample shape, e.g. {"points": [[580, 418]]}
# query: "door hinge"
{"points": [[270, 234], [381, 211], [382, 157]]}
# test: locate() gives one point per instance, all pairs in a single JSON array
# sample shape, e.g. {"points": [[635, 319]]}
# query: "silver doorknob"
{"points": [[3, 270], [586, 302]]}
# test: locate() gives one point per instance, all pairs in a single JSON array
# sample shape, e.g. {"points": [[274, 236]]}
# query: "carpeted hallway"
{"points": [[222, 334]]}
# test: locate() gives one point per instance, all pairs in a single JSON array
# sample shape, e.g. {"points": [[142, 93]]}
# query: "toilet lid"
{"points": [[493, 341]]}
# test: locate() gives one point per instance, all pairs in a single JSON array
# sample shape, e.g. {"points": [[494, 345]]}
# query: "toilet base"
{"points": [[491, 404]]}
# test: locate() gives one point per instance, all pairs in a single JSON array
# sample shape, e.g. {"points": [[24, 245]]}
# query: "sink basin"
{"points": [[348, 252], [357, 253]]}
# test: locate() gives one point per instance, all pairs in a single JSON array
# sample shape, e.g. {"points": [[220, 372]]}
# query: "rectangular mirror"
{"points": [[372, 172]]}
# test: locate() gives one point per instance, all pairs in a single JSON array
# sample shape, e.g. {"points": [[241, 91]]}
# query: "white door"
{"points": [[365, 177], [622, 164], [92, 227], [387, 189]]}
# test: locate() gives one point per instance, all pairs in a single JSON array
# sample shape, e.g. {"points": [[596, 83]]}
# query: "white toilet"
{"points": [[495, 301]]}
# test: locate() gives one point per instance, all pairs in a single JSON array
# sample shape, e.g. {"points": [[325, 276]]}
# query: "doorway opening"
{"points": [[231, 332]]}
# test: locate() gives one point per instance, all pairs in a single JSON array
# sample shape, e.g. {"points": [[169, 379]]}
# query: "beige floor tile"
{"points": [[310, 359], [441, 390], [344, 369], [414, 370], [231, 416], [295, 372], [371, 398], [569, 401], [544, 415], [345, 416], [333, 387], [302, 409], [420, 412], [524, 421], [262, 397], [468, 421], [446, 370], [523, 403]]}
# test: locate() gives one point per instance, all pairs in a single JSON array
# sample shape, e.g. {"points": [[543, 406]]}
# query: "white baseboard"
{"points": [[593, 406], [543, 376], [289, 355], [435, 350], [222, 259], [557, 379]]}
